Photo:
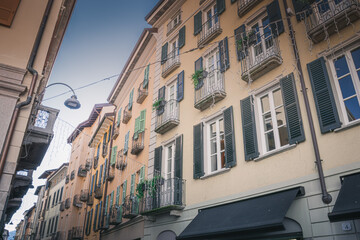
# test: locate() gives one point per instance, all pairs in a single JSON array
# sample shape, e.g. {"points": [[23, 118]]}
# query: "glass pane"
{"points": [[280, 116], [169, 152], [356, 57], [222, 155], [268, 125], [352, 109], [209, 19], [347, 87], [265, 23], [214, 163], [265, 106], [283, 134], [213, 146], [221, 126], [341, 66], [323, 6], [222, 142], [278, 101], [212, 130], [270, 141]]}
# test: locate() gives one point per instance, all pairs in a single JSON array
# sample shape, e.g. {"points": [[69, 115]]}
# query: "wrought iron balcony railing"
{"points": [[324, 18], [96, 161], [210, 30], [261, 56], [209, 90], [98, 191], [88, 164], [111, 174], [72, 175], [121, 160], [77, 233], [138, 142], [105, 148], [169, 118], [163, 196], [115, 214], [126, 114], [67, 203], [76, 201], [90, 200], [172, 62], [116, 133], [142, 92], [130, 207], [245, 6], [84, 195], [82, 171], [67, 179], [62, 206]]}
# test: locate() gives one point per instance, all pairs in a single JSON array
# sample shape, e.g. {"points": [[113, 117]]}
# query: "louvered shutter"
{"points": [[220, 4], [224, 55], [124, 191], [199, 66], [164, 53], [181, 41], [132, 184], [142, 120], [101, 172], [178, 165], [119, 215], [198, 153], [157, 161], [229, 134], [106, 204], [161, 97], [180, 86], [7, 11], [197, 23], [131, 99], [100, 213], [146, 76], [274, 15], [92, 184], [249, 128], [111, 199], [126, 145], [136, 130], [117, 195], [113, 155], [95, 217], [323, 96], [292, 110], [142, 174], [105, 168], [119, 117]]}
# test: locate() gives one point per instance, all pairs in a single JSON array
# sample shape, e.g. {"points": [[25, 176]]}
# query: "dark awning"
{"points": [[262, 216], [347, 205]]}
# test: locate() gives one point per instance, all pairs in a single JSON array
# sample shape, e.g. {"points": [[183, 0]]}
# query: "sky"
{"points": [[97, 43]]}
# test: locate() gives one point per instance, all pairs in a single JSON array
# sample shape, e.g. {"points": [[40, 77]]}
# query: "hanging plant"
{"points": [[154, 184], [196, 77], [157, 104], [252, 37], [140, 189]]}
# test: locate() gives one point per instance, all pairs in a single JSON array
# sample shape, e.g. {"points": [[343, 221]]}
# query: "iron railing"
{"points": [[244, 6], [130, 206], [209, 30], [142, 92], [121, 160], [72, 175], [138, 142], [98, 191], [88, 164], [90, 200], [171, 63], [96, 161], [105, 149], [62, 206], [84, 195], [115, 214], [67, 203], [77, 233], [126, 114], [82, 171], [169, 116], [76, 201], [67, 179], [111, 174]]}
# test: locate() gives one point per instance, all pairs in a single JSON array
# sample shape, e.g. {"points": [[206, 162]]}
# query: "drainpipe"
{"points": [[108, 170], [31, 89], [326, 197]]}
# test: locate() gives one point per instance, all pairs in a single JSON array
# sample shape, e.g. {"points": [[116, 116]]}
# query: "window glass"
{"points": [[216, 145]]}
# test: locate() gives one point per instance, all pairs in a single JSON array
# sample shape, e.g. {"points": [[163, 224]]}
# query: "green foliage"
{"points": [[196, 77], [156, 104]]}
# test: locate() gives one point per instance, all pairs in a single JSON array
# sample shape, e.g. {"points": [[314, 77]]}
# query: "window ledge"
{"points": [[221, 171], [350, 125], [286, 148]]}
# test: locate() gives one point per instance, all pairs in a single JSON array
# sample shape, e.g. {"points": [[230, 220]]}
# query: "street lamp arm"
{"points": [[60, 83]]}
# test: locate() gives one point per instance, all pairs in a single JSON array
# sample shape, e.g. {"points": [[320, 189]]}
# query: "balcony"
{"points": [[210, 30], [88, 164], [21, 183], [72, 175], [130, 207], [90, 200], [210, 90], [115, 214], [82, 171], [244, 6], [84, 195], [96, 162], [67, 203], [69, 237], [138, 142], [126, 114], [163, 196], [111, 174], [98, 191], [172, 62], [38, 137], [76, 201], [62, 206], [325, 18], [12, 206], [142, 92], [67, 179], [105, 149], [77, 233], [173, 23], [121, 160], [116, 132], [262, 56], [169, 118]]}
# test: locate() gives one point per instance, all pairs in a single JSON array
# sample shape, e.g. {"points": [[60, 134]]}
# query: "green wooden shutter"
{"points": [[132, 184], [220, 4], [161, 96], [157, 160], [323, 96], [198, 154], [180, 86], [164, 53], [105, 166], [113, 155], [119, 117], [117, 195], [146, 76], [199, 66], [292, 110], [142, 174], [124, 191], [274, 15], [142, 120], [181, 41], [101, 172], [100, 213], [126, 145], [106, 204], [178, 170], [197, 23], [119, 215], [92, 184], [137, 127], [224, 55], [131, 99], [111, 198], [229, 134], [249, 129]]}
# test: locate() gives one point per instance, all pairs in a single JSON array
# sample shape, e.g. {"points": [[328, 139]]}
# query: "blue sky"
{"points": [[98, 41]]}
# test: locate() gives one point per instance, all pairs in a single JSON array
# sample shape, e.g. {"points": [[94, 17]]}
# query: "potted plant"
{"points": [[140, 189], [198, 77], [157, 104]]}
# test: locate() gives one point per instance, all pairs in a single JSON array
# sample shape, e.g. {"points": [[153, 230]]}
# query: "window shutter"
{"points": [[181, 42], [180, 86], [249, 129], [142, 120], [136, 131], [111, 198], [126, 145], [161, 96], [239, 36], [131, 99], [105, 165], [164, 53], [197, 23], [323, 96], [199, 66], [119, 117], [230, 148], [132, 186], [119, 215], [7, 11], [61, 193], [117, 195], [100, 212], [109, 134], [220, 4], [157, 161], [224, 55], [142, 174], [300, 8], [95, 217], [178, 165], [113, 155], [92, 184], [146, 76], [198, 151], [124, 191], [106, 204], [292, 110], [101, 172], [274, 14]]}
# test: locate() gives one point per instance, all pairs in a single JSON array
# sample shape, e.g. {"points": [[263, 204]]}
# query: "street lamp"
{"points": [[71, 102]]}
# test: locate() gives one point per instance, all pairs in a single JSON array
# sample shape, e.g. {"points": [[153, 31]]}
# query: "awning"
{"points": [[253, 218], [347, 205]]}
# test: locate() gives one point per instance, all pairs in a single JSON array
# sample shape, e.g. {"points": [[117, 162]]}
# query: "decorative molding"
{"points": [[11, 79]]}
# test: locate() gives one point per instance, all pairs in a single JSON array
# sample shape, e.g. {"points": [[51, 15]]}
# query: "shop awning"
{"points": [[253, 218], [347, 205]]}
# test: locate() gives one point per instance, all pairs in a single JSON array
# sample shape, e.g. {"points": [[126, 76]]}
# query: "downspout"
{"points": [[326, 197], [32, 85], [107, 171]]}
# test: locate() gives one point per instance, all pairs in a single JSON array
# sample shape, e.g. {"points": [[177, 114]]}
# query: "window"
{"points": [[174, 22], [141, 174], [211, 18], [169, 160], [7, 11], [95, 217], [215, 154], [124, 191], [174, 48], [212, 66], [132, 184], [117, 195]]}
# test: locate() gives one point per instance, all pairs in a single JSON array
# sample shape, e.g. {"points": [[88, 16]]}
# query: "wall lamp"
{"points": [[71, 102]]}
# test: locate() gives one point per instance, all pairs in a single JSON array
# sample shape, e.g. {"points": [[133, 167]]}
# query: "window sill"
{"points": [[286, 148], [350, 125], [221, 171]]}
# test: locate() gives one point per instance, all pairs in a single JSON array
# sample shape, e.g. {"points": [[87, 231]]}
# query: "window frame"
{"points": [[165, 160]]}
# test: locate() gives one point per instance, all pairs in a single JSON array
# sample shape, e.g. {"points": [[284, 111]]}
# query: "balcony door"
{"points": [[171, 99], [212, 66], [168, 196], [212, 18]]}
